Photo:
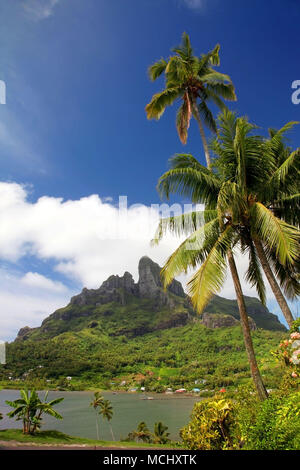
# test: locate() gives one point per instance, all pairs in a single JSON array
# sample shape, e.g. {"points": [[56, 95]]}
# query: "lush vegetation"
{"points": [[173, 358], [160, 434], [103, 408], [245, 422], [29, 409]]}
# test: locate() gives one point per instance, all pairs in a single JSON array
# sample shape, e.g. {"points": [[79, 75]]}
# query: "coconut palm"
{"points": [[232, 216], [194, 82], [141, 434], [96, 403], [160, 434], [106, 411], [262, 177], [210, 247], [30, 408]]}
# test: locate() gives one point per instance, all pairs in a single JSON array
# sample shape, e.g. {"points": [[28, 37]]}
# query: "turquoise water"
{"points": [[129, 409]]}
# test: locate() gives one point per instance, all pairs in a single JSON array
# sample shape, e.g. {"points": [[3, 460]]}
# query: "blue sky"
{"points": [[74, 123]]}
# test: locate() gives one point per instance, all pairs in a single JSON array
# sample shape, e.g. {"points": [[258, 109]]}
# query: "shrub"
{"points": [[277, 424], [211, 427]]}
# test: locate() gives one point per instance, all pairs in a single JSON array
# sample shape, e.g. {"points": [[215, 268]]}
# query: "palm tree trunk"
{"points": [[259, 385], [273, 283], [111, 431], [97, 427], [202, 133]]}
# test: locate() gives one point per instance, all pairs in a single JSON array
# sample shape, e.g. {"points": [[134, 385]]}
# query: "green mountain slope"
{"points": [[126, 328]]}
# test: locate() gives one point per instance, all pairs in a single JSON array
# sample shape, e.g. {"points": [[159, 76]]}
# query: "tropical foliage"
{"points": [[247, 423], [106, 411], [142, 433], [237, 213], [194, 81], [96, 403], [29, 409], [211, 426], [178, 356]]}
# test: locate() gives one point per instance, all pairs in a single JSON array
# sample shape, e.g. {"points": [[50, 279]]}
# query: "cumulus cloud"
{"points": [[41, 282], [24, 302], [85, 240], [39, 9], [88, 239]]}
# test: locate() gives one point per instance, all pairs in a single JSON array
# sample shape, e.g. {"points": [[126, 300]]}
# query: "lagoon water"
{"points": [[129, 410]]}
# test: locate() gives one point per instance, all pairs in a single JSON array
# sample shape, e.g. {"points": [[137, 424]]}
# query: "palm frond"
{"points": [[277, 234], [184, 224], [155, 70], [254, 274], [183, 119], [288, 276], [209, 279], [190, 253], [160, 101], [226, 91], [201, 186], [207, 116]]}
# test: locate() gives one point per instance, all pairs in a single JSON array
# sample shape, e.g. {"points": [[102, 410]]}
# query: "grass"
{"points": [[59, 438]]}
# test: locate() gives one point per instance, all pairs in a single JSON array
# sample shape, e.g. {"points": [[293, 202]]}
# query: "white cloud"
{"points": [[39, 9], [39, 281], [89, 239], [23, 304]]}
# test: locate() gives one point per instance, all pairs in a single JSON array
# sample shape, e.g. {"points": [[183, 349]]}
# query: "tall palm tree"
{"points": [[194, 82], [232, 215], [261, 177], [96, 403], [106, 410], [210, 247]]}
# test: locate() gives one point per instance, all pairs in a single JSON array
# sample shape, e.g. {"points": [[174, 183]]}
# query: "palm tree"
{"points": [[281, 192], [194, 82], [233, 215], [266, 177], [106, 411], [96, 403], [142, 433], [160, 435], [29, 408], [209, 247]]}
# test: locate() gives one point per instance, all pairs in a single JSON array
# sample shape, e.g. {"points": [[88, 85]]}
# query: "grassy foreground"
{"points": [[59, 438]]}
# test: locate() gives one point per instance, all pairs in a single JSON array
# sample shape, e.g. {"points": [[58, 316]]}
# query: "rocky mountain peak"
{"points": [[114, 288], [150, 282]]}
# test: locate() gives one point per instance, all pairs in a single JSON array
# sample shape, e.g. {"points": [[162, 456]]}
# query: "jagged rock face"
{"points": [[150, 282], [23, 333], [115, 288], [111, 290], [214, 320]]}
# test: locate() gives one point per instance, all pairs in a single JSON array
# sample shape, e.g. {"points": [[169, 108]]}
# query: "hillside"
{"points": [[122, 307], [126, 328]]}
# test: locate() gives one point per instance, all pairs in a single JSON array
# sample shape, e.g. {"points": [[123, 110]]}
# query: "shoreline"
{"points": [[114, 392]]}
